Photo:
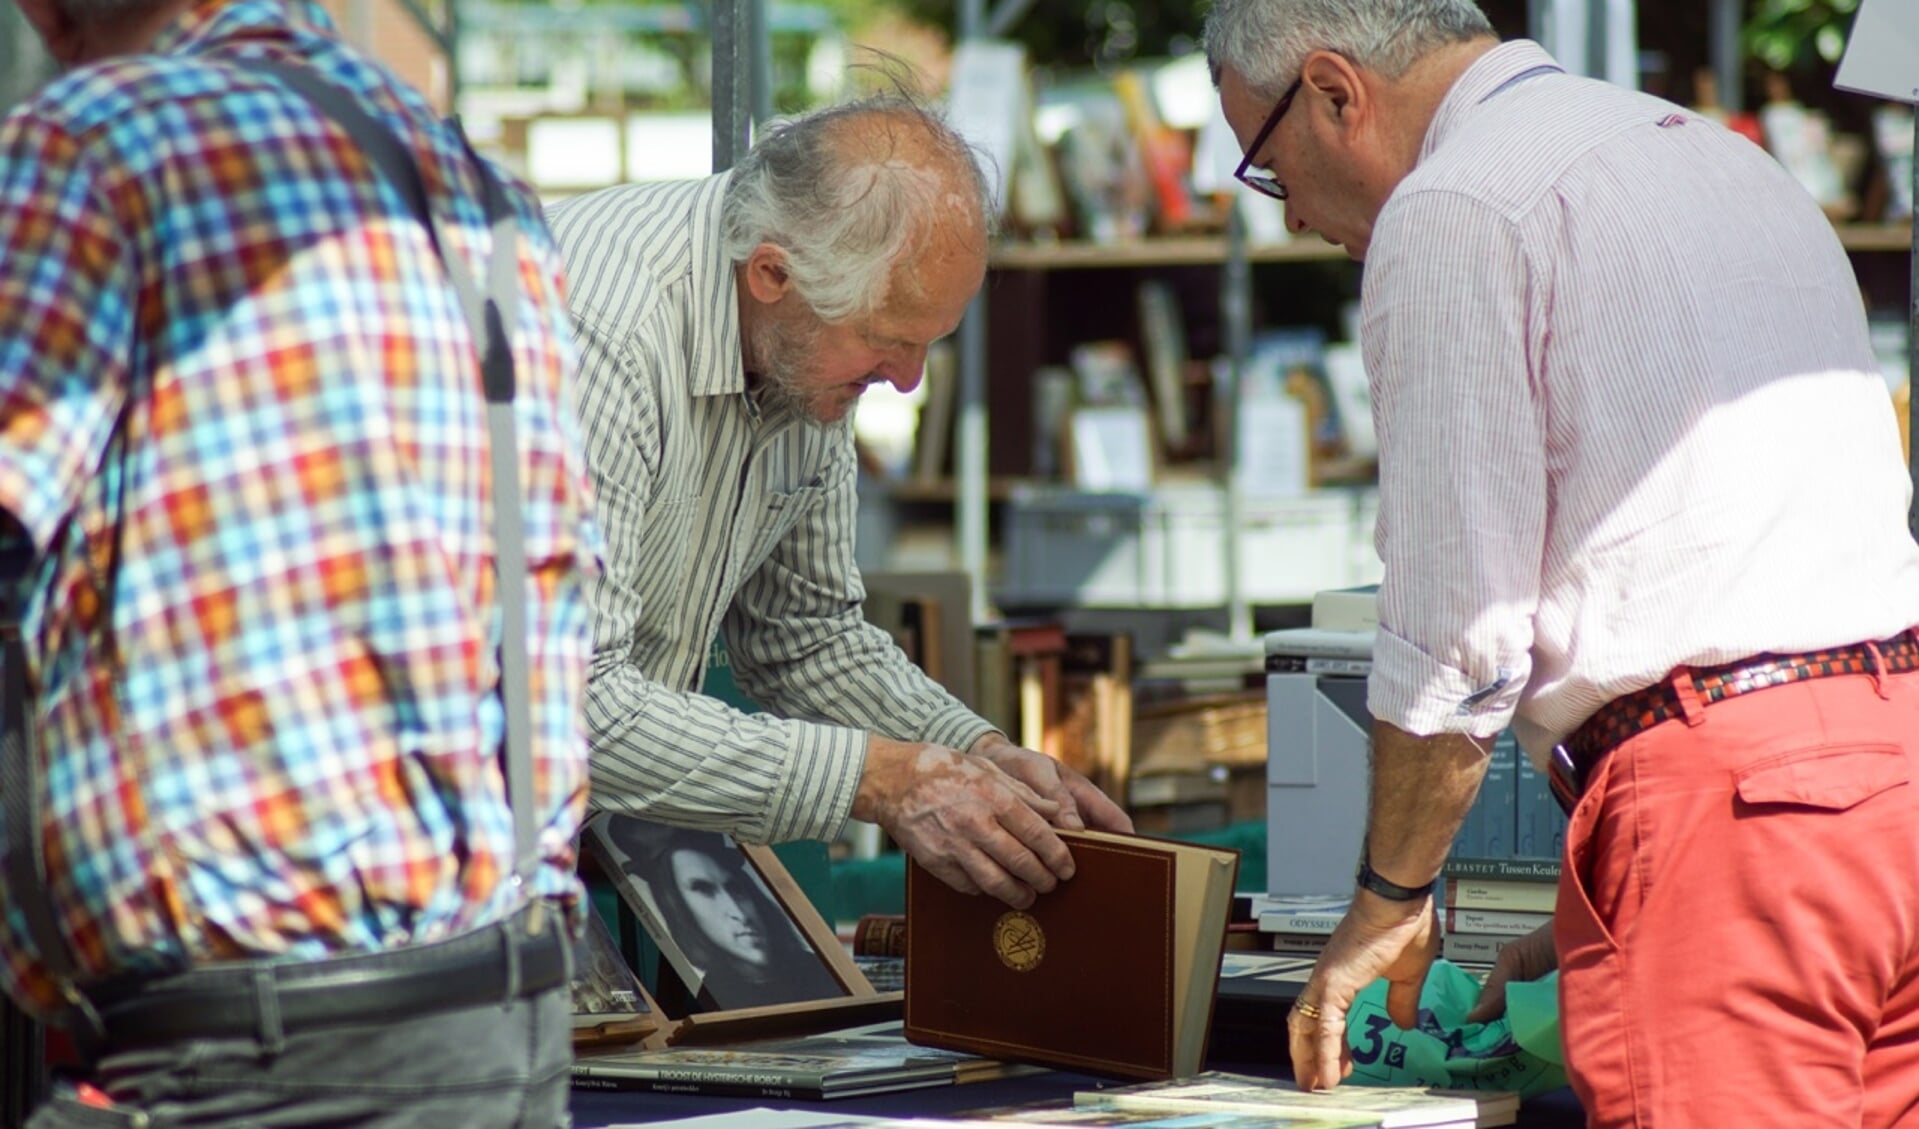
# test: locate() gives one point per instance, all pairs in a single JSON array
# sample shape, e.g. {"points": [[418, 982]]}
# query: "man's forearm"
{"points": [[1421, 790], [685, 758]]}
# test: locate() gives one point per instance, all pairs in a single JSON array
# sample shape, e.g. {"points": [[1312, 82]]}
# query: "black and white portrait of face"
{"points": [[722, 905], [713, 917]]}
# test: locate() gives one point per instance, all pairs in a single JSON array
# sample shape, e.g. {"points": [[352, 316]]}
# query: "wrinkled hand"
{"points": [[1081, 804], [1377, 938], [1527, 958], [974, 827]]}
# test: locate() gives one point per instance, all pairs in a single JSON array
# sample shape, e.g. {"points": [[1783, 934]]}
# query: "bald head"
{"points": [[850, 193]]}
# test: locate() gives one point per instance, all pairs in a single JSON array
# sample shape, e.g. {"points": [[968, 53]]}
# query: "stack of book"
{"points": [[1298, 923], [1501, 879], [1490, 902]]}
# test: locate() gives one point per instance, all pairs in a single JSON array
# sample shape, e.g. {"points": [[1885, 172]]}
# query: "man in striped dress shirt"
{"points": [[726, 328], [1642, 498]]}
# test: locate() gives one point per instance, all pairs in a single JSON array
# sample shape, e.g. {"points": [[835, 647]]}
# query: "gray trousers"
{"points": [[488, 1067]]}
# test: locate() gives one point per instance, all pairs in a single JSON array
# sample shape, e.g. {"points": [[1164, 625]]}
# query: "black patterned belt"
{"points": [[493, 965], [1630, 714]]}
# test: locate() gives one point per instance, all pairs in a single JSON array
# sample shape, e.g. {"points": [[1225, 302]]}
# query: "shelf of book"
{"points": [[1876, 236], [1206, 250], [998, 489], [1176, 251]]}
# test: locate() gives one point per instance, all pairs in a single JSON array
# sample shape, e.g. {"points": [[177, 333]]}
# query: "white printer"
{"points": [[1318, 748]]}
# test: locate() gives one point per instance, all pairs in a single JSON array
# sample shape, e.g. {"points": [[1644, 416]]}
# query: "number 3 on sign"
{"points": [[1367, 1030]]}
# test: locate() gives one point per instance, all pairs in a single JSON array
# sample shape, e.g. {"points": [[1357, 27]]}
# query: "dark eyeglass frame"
{"points": [[1259, 180]]}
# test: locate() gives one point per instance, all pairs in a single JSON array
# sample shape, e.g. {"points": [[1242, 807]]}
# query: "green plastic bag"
{"points": [[1518, 1052]]}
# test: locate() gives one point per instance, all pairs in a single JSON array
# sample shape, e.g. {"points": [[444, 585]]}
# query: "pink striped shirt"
{"points": [[1628, 413]]}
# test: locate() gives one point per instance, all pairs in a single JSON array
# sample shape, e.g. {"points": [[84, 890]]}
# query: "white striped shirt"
{"points": [[719, 518], [1628, 414]]}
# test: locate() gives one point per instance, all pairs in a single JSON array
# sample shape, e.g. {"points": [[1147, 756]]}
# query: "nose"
{"points": [[907, 375], [1294, 223]]}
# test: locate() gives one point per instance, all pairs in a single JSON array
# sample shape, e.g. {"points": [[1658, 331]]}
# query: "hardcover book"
{"points": [[1391, 1107], [835, 1064], [1111, 973]]}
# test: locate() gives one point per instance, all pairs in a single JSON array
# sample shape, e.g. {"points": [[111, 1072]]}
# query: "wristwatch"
{"points": [[1370, 879]]}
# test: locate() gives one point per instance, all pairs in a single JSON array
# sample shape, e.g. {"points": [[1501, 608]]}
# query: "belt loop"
{"points": [[509, 939], [266, 994], [1878, 671], [1687, 692]]}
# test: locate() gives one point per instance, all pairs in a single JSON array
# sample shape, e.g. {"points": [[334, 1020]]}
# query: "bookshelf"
{"points": [[1150, 253], [1045, 297], [1859, 238]]}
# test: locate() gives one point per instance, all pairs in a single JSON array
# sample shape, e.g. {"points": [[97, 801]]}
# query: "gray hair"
{"points": [[1266, 41], [845, 211]]}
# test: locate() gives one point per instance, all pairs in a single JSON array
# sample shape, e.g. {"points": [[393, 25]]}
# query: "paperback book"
{"points": [[1391, 1107]]}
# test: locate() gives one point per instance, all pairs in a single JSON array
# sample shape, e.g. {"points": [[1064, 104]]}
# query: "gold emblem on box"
{"points": [[1019, 941]]}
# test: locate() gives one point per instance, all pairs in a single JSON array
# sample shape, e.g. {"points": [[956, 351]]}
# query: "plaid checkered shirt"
{"points": [[241, 425]]}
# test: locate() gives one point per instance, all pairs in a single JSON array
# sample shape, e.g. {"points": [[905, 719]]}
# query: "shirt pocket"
{"points": [[778, 514], [1829, 777]]}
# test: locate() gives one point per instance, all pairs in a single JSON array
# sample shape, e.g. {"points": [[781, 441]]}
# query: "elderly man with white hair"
{"points": [[727, 326]]}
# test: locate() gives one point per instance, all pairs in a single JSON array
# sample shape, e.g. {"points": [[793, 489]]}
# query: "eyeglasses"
{"points": [[1259, 180]]}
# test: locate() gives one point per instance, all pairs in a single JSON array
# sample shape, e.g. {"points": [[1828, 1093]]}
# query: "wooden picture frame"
{"points": [[736, 929], [610, 1005]]}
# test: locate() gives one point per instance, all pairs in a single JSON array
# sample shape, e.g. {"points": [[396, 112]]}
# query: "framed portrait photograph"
{"points": [[727, 918]]}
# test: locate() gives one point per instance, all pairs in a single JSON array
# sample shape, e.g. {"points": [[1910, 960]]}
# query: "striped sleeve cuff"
{"points": [[822, 776], [955, 727], [1416, 692]]}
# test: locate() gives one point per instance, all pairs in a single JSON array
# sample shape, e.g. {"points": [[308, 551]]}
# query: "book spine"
{"points": [[1283, 922], [585, 1079], [1339, 666], [1474, 948], [880, 935], [1532, 870], [1511, 922], [1307, 944], [1541, 824], [1504, 894]]}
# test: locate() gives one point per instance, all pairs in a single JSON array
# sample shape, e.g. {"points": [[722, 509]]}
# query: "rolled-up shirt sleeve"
{"points": [[1449, 333]]}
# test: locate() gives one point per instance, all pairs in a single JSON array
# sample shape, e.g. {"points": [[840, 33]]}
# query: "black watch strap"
{"points": [[1370, 879]]}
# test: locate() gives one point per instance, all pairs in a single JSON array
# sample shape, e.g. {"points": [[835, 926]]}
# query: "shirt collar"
{"points": [[723, 372], [1488, 73], [210, 23]]}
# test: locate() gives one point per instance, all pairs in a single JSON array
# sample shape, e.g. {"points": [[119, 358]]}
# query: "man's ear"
{"points": [[767, 278], [60, 34], [1339, 83]]}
